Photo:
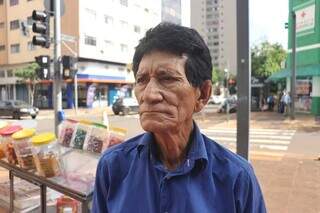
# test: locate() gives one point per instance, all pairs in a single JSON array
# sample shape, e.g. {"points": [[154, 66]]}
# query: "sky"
{"points": [[267, 20]]}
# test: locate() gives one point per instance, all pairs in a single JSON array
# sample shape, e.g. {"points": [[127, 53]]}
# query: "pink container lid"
{"points": [[9, 130]]}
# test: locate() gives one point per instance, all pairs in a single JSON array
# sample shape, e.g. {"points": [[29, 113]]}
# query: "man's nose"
{"points": [[152, 92]]}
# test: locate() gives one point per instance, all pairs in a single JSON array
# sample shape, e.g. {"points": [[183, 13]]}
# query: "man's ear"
{"points": [[205, 93]]}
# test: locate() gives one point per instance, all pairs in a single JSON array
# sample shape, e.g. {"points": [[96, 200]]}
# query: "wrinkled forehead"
{"points": [[155, 60]]}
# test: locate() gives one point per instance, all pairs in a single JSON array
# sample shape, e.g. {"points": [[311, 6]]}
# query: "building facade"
{"points": [[307, 55], [101, 34], [215, 20]]}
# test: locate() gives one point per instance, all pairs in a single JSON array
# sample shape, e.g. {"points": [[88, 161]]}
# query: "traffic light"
{"points": [[69, 64], [43, 72], [41, 26]]}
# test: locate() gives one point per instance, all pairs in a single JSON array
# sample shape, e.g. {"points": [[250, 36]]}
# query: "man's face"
{"points": [[166, 98]]}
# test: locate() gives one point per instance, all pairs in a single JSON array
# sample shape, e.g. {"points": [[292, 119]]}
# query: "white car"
{"points": [[216, 99]]}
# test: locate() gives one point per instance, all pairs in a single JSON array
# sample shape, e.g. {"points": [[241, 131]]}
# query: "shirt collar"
{"points": [[197, 151]]}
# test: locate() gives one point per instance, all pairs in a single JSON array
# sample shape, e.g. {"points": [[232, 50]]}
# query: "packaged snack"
{"points": [[80, 135], [97, 140], [67, 204], [6, 141], [67, 129], [46, 154], [23, 148], [116, 135]]}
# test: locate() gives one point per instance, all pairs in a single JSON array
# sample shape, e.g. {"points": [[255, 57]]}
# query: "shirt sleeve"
{"points": [[249, 198], [100, 192]]}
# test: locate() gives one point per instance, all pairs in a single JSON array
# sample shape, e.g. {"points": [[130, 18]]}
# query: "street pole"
{"points": [[293, 64], [243, 78], [227, 95], [57, 97]]}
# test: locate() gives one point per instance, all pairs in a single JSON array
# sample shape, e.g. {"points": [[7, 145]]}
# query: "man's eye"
{"points": [[168, 78], [141, 80]]}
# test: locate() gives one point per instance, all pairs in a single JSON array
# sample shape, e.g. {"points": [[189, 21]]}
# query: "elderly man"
{"points": [[172, 167]]}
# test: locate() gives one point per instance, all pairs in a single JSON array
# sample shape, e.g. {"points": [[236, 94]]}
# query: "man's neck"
{"points": [[172, 147]]}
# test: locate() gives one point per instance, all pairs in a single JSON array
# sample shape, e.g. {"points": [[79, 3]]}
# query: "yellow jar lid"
{"points": [[3, 124], [24, 133], [44, 138]]}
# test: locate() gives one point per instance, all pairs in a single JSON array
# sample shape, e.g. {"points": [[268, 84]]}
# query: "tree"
{"points": [[29, 76], [266, 59], [217, 75]]}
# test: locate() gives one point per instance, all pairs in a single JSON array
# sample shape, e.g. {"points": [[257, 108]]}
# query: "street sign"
{"points": [[68, 38], [48, 5]]}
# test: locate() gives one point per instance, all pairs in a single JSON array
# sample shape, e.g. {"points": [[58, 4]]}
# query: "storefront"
{"points": [[307, 55]]}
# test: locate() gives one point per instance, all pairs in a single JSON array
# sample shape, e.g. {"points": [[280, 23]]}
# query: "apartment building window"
{"points": [[124, 47], [90, 40], [14, 24], [29, 20], [108, 19], [137, 29], [15, 48], [2, 75], [14, 2], [31, 46], [124, 3], [10, 73], [1, 25], [108, 44], [2, 47], [91, 14], [124, 24]]}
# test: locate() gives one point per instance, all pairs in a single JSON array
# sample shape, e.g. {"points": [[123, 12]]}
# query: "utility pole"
{"points": [[293, 64], [57, 97], [243, 78]]}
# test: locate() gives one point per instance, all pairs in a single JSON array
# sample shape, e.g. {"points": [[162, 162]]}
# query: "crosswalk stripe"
{"points": [[261, 139], [253, 130], [260, 146], [251, 140]]}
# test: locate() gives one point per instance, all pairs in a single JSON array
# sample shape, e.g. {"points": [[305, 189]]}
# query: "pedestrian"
{"points": [[173, 167], [287, 103], [270, 102]]}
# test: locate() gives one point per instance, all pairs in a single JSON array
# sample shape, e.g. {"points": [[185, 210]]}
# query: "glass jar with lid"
{"points": [[23, 148], [46, 154], [6, 141], [3, 124]]}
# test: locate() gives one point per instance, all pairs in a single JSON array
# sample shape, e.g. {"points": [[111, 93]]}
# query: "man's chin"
{"points": [[154, 124]]}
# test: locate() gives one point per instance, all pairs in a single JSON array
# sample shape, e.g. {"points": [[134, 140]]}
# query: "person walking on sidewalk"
{"points": [[173, 167], [287, 103]]}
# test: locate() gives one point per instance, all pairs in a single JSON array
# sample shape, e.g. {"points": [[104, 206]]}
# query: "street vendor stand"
{"points": [[63, 184]]}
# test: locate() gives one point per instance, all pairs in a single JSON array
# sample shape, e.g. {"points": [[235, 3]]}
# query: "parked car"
{"points": [[232, 102], [17, 109], [125, 106], [216, 99]]}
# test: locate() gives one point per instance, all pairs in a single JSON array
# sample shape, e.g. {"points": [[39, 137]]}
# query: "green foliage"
{"points": [[266, 59], [28, 73], [217, 75]]}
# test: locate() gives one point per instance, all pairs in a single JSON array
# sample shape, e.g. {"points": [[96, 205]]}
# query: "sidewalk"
{"points": [[290, 185], [262, 120]]}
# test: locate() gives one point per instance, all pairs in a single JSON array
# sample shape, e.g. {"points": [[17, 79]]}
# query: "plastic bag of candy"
{"points": [[116, 136], [82, 131], [67, 128], [97, 141]]}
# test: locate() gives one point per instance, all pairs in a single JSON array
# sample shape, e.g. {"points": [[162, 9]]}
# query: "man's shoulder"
{"points": [[226, 161], [122, 149]]}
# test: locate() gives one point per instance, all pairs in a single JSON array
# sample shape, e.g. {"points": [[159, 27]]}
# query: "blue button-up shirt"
{"points": [[130, 178]]}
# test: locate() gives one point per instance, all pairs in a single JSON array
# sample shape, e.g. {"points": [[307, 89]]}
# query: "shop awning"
{"points": [[310, 70]]}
